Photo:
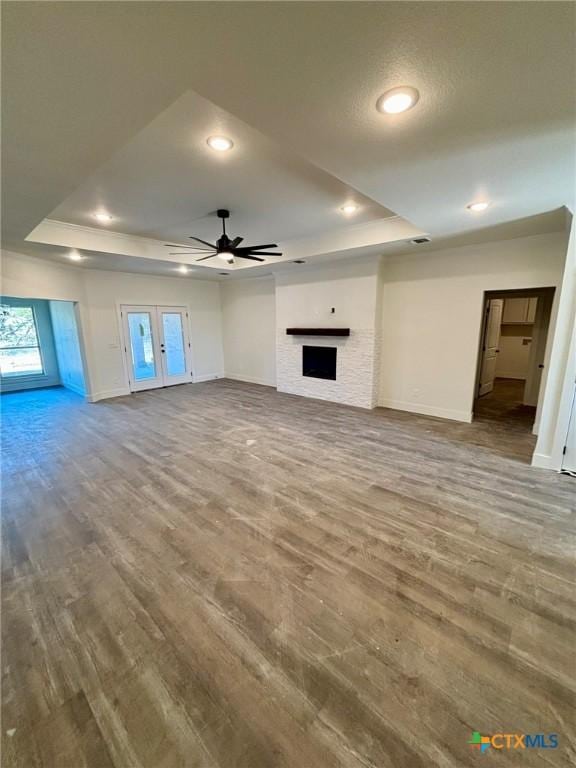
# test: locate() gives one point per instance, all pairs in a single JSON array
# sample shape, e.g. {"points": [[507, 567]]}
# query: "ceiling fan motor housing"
{"points": [[223, 242]]}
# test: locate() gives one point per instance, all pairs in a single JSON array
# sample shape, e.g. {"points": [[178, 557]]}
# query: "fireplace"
{"points": [[347, 374], [319, 362]]}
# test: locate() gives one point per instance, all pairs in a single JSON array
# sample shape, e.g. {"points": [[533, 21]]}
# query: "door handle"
{"points": [[541, 365]]}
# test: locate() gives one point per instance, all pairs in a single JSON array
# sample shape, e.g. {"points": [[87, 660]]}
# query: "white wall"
{"points": [[514, 355], [30, 278], [556, 398], [67, 344], [99, 293], [429, 305], [105, 291], [249, 330], [305, 298], [431, 316]]}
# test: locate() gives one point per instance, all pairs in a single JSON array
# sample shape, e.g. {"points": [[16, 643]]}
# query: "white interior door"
{"points": [[157, 346], [493, 319], [174, 345], [569, 458], [543, 309]]}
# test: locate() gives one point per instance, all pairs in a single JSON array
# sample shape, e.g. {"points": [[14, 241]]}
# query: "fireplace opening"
{"points": [[319, 362]]}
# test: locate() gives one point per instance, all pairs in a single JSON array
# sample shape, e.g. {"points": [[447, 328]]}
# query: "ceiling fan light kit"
{"points": [[224, 248]]}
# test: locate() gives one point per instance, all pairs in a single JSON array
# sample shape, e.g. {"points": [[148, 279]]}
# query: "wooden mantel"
{"points": [[318, 331]]}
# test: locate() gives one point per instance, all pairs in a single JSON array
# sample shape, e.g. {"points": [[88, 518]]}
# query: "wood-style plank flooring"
{"points": [[221, 576], [504, 404]]}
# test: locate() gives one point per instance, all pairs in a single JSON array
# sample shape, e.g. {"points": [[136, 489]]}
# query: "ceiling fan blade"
{"points": [[266, 253], [189, 247], [234, 243], [210, 256], [258, 247], [245, 256], [198, 240]]}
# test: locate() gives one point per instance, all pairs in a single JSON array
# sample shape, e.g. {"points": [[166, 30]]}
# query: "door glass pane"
{"points": [[174, 343], [141, 345], [19, 345]]}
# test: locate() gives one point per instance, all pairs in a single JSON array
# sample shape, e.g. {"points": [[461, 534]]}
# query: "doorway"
{"points": [[156, 346], [40, 345], [512, 354]]}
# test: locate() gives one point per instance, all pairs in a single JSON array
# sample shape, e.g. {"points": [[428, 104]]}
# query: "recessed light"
{"points": [[224, 274], [75, 256], [349, 208], [299, 261], [183, 269], [397, 100], [481, 205], [103, 217], [420, 240], [220, 143]]}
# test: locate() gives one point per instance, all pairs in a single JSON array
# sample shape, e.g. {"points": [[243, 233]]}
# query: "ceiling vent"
{"points": [[420, 240]]}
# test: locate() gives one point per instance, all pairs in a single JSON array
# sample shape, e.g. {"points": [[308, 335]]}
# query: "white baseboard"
{"points": [[94, 397], [207, 377], [121, 391], [427, 410], [76, 390], [249, 379], [545, 461]]}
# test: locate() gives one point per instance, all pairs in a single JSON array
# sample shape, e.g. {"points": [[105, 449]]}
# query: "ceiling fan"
{"points": [[225, 248]]}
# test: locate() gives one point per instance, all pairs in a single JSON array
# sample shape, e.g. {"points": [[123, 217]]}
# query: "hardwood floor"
{"points": [[221, 576], [505, 404]]}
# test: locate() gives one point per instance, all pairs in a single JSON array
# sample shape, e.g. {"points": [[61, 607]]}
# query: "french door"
{"points": [[157, 346]]}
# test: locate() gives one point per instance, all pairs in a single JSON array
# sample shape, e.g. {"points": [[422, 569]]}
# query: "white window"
{"points": [[19, 346]]}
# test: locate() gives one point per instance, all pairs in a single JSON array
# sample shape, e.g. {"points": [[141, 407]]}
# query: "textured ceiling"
{"points": [[166, 183], [82, 81]]}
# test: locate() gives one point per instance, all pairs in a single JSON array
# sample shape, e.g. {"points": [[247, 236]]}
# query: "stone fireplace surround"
{"points": [[344, 296]]}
